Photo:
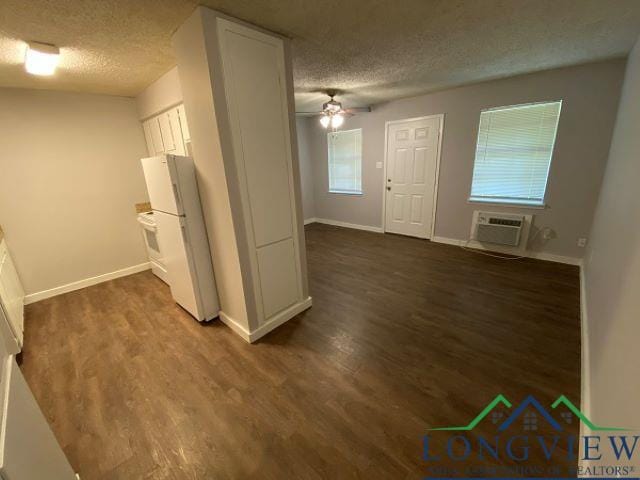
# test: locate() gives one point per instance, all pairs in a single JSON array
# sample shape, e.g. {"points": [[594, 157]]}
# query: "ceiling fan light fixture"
{"points": [[332, 106], [325, 120], [337, 120]]}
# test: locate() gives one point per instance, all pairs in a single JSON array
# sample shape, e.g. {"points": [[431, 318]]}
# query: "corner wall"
{"points": [[612, 273], [162, 94], [590, 96], [70, 176]]}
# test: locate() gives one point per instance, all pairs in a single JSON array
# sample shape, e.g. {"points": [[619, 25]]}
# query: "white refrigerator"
{"points": [[182, 235]]}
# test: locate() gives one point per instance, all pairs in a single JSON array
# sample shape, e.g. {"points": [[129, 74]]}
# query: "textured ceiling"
{"points": [[373, 50]]}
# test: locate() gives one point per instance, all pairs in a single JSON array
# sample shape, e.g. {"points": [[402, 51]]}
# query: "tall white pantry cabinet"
{"points": [[237, 86]]}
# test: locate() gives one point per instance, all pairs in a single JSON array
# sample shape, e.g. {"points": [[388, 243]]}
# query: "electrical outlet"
{"points": [[547, 233], [378, 164], [582, 242]]}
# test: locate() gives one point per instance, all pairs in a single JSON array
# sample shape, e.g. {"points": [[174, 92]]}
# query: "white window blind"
{"points": [[345, 161], [513, 153]]}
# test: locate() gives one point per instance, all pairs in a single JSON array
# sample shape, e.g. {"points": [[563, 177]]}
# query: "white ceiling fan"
{"points": [[333, 114]]}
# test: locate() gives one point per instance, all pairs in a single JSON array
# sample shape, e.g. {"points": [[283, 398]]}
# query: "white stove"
{"points": [[150, 233]]}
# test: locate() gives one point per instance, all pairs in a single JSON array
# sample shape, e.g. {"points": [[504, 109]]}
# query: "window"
{"points": [[530, 421], [513, 153], [345, 161]]}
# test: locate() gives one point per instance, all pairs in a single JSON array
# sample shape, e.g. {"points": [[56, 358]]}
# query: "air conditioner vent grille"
{"points": [[499, 236], [505, 221], [498, 228]]}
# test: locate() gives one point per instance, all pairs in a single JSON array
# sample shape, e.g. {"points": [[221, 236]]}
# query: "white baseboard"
{"points": [[307, 221], [235, 326], [87, 282], [555, 258], [448, 241], [275, 321], [537, 255], [336, 223], [585, 370], [280, 318]]}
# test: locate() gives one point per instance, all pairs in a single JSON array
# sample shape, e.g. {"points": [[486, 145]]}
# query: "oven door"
{"points": [[150, 232]]}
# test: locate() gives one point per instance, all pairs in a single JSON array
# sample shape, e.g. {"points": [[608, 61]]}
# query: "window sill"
{"points": [[495, 203], [357, 194]]}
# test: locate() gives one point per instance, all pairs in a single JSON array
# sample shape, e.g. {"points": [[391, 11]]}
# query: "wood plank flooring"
{"points": [[404, 335]]}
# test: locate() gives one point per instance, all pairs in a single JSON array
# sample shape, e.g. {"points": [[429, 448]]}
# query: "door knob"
{"points": [[389, 188]]}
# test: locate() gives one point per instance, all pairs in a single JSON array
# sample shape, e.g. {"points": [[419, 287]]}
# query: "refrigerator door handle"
{"points": [[183, 229], [176, 195]]}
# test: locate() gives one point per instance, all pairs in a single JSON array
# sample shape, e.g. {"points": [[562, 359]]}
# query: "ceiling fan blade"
{"points": [[357, 110], [308, 114]]}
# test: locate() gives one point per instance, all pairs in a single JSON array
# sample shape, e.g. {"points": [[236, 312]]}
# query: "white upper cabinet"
{"points": [[167, 132], [154, 136], [11, 293], [176, 131], [183, 124], [148, 138], [168, 139]]}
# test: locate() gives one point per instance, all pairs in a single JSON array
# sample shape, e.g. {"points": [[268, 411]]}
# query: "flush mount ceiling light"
{"points": [[41, 58]]}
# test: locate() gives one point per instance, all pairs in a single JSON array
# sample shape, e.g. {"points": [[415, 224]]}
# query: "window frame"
{"points": [[343, 192], [542, 204]]}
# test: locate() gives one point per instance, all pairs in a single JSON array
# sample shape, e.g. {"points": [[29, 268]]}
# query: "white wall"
{"points": [[612, 273], [306, 169], [590, 94], [69, 178], [160, 95]]}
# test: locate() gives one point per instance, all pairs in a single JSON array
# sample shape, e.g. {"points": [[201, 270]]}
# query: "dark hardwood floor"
{"points": [[404, 335]]}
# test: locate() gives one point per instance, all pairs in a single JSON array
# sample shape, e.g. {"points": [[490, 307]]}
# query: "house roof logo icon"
{"points": [[530, 401], [527, 404]]}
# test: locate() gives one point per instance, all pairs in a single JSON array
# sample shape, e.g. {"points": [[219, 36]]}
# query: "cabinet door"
{"points": [[255, 89], [156, 137], [8, 342], [149, 139], [176, 131], [168, 139], [31, 451], [11, 294], [186, 136]]}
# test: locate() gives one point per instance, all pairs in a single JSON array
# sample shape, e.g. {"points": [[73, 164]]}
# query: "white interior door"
{"points": [[412, 157]]}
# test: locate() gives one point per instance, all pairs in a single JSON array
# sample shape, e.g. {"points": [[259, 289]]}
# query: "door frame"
{"points": [[440, 116]]}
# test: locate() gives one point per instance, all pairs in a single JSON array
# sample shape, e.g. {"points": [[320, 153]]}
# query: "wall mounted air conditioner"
{"points": [[498, 228]]}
